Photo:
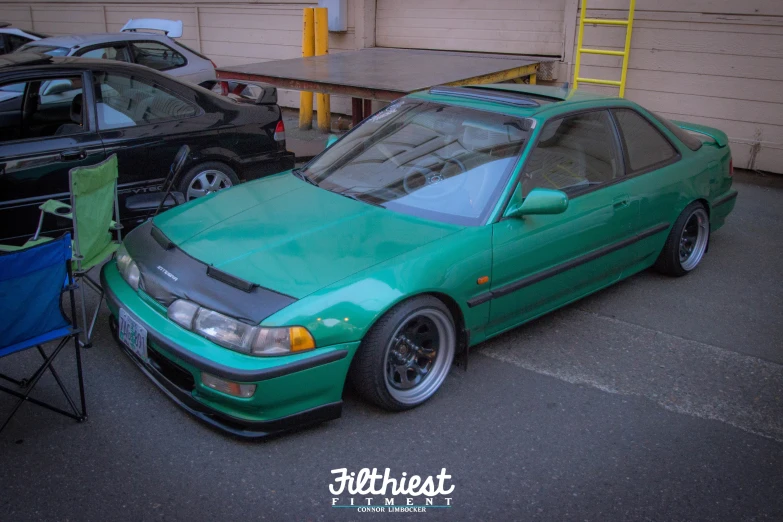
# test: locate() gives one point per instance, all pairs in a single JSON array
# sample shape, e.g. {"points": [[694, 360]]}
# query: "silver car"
{"points": [[132, 44], [12, 38]]}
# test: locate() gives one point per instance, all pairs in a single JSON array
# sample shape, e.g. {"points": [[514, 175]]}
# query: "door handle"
{"points": [[621, 201], [75, 154]]}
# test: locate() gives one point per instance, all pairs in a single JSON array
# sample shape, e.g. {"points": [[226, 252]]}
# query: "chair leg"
{"points": [[38, 374], [22, 383], [88, 342], [95, 316], [59, 381]]}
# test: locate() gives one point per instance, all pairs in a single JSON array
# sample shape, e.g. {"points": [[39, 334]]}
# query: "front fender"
{"points": [[346, 310]]}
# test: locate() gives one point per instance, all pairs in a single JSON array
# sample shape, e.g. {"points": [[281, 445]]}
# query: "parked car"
{"points": [[50, 123], [12, 38], [445, 219], [134, 45]]}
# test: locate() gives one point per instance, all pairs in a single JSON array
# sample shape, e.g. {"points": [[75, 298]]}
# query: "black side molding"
{"points": [[568, 265], [724, 199]]}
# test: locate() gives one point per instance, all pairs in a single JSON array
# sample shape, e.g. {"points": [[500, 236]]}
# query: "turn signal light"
{"points": [[300, 339]]}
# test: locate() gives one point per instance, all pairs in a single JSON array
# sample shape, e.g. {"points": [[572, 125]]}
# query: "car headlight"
{"points": [[128, 268], [236, 335]]}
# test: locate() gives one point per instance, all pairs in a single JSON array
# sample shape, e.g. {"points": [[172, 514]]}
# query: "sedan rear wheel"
{"points": [[687, 242], [207, 178], [407, 355]]}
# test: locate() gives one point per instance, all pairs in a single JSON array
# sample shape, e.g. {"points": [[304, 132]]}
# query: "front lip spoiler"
{"points": [[220, 370], [237, 427]]}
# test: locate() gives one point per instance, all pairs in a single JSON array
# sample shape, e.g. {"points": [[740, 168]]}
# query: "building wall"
{"points": [[495, 26], [713, 62]]}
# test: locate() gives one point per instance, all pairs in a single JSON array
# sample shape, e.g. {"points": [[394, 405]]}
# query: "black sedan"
{"points": [[49, 123]]}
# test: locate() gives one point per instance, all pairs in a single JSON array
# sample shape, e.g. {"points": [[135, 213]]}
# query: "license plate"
{"points": [[133, 335]]}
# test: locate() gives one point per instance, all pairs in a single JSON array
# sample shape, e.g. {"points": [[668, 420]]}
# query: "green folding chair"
{"points": [[95, 213]]}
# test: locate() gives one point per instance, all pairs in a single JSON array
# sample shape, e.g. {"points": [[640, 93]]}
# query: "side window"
{"points": [[645, 145], [572, 154], [157, 56], [117, 52], [40, 108], [127, 101], [15, 42]]}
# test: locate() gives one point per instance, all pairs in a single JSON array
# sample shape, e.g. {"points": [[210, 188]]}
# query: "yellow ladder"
{"points": [[624, 53]]}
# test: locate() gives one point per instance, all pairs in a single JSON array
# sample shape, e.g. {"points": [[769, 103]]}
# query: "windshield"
{"points": [[51, 50], [426, 159]]}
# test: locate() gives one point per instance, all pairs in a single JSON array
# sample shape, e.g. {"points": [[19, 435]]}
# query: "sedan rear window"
{"points": [[46, 49], [690, 141], [431, 160]]}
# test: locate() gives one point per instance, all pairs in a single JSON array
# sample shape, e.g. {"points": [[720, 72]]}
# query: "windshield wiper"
{"points": [[299, 174], [355, 196]]}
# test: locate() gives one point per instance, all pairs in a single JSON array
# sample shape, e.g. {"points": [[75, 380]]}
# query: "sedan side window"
{"points": [[157, 56], [112, 52], [15, 42], [127, 101], [645, 145], [573, 154], [40, 108]]}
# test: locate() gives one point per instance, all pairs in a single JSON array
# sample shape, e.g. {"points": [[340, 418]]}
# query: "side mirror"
{"points": [[538, 201], [58, 87], [331, 140]]}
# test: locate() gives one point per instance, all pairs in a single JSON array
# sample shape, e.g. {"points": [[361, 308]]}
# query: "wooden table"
{"points": [[385, 74]]}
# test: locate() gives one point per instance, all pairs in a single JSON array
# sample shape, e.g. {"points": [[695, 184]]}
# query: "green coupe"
{"points": [[445, 219]]}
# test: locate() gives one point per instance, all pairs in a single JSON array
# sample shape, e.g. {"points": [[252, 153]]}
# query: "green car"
{"points": [[443, 220]]}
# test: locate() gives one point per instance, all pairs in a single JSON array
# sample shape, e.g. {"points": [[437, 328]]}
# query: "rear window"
{"points": [[192, 51], [690, 141], [46, 49]]}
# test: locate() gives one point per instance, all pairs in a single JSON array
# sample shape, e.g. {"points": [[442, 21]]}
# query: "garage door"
{"points": [[495, 26]]}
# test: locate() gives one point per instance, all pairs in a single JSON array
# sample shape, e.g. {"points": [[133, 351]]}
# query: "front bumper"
{"points": [[291, 391]]}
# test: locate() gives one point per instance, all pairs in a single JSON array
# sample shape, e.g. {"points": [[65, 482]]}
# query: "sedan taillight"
{"points": [[731, 167], [280, 131]]}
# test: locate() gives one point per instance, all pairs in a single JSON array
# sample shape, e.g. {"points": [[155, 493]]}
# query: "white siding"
{"points": [[496, 26], [718, 63]]}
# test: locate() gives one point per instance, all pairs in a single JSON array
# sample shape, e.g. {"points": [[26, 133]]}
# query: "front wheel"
{"points": [[405, 357], [687, 242]]}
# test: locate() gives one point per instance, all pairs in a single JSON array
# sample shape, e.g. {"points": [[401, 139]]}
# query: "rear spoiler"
{"points": [[172, 28], [719, 136]]}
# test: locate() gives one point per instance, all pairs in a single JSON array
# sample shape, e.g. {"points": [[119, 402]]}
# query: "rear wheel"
{"points": [[687, 242], [206, 178], [405, 357]]}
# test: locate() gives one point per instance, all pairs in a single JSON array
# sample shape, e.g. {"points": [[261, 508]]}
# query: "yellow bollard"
{"points": [[322, 47], [308, 49]]}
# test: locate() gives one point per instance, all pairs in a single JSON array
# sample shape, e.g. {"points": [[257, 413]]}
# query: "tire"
{"points": [[424, 356], [206, 178], [687, 242]]}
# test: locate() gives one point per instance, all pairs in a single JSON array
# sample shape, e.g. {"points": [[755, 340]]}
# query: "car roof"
{"points": [[80, 40], [32, 61]]}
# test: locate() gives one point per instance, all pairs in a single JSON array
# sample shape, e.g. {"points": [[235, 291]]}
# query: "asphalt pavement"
{"points": [[656, 399]]}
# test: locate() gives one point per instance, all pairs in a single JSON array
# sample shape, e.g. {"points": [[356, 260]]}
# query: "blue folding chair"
{"points": [[32, 282]]}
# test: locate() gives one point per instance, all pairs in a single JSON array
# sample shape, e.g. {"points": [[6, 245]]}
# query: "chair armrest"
{"points": [[57, 208]]}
